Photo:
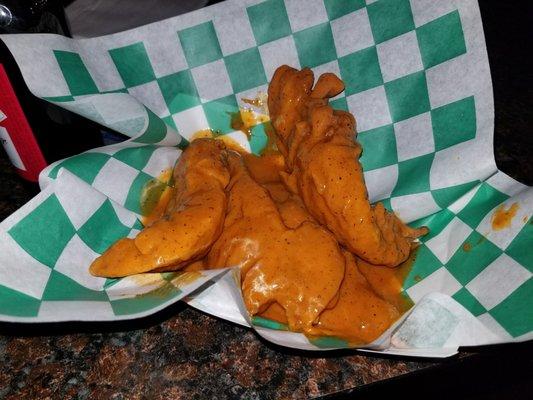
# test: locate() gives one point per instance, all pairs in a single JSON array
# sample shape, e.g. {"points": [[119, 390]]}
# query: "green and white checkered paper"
{"points": [[418, 82]]}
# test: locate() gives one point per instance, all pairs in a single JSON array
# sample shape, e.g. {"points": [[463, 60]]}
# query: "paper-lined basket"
{"points": [[418, 82]]}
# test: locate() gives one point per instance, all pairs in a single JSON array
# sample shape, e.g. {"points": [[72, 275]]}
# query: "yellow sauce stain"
{"points": [[165, 175], [245, 119], [155, 197], [146, 279], [467, 247], [185, 278], [524, 220], [158, 210], [503, 217], [230, 143], [164, 290], [166, 287], [205, 133], [260, 102]]}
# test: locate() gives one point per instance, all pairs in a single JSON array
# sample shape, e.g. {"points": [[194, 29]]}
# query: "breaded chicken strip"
{"points": [[193, 219], [322, 156], [300, 269]]}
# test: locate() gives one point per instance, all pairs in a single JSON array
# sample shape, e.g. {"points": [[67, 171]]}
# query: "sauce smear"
{"points": [[155, 197], [503, 217], [185, 278], [388, 282], [230, 143], [245, 119]]}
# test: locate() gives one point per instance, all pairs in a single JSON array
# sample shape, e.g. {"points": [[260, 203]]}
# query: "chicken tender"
{"points": [[322, 159], [192, 221], [300, 269], [360, 316]]}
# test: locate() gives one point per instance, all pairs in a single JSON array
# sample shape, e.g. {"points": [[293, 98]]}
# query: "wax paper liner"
{"points": [[417, 80]]}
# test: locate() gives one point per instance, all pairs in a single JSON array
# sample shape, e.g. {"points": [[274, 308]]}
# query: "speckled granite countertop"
{"points": [[190, 355], [182, 353]]}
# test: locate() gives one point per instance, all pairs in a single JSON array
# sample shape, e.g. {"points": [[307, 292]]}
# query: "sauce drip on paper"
{"points": [[162, 288], [503, 217], [227, 140], [245, 119]]}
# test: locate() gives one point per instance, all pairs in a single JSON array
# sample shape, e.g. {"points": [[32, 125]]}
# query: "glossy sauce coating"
{"points": [[293, 270], [193, 218], [369, 298], [322, 158], [300, 269], [360, 315], [313, 253], [387, 282]]}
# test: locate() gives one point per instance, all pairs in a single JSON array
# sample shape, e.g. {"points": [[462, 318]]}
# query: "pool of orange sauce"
{"points": [[503, 217], [386, 282]]}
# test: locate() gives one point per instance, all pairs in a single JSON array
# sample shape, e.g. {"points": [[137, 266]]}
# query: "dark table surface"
{"points": [[182, 353]]}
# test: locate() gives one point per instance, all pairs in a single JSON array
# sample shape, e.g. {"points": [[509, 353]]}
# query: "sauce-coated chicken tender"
{"points": [[313, 252], [300, 269], [323, 160], [193, 219]]}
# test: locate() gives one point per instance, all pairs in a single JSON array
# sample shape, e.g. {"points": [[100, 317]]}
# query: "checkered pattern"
{"points": [[381, 50], [83, 226], [120, 172], [417, 119], [487, 271]]}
